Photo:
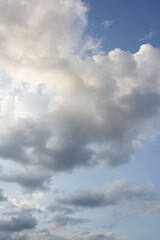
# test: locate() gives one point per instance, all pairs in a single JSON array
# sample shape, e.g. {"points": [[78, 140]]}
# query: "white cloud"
{"points": [[28, 200], [109, 102]]}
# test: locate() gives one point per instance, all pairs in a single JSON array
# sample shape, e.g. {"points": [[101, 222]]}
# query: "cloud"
{"points": [[96, 110], [55, 207], [64, 105], [62, 220], [94, 236], [30, 180], [2, 196], [84, 198], [107, 131], [18, 223], [46, 234], [149, 36], [107, 23], [27, 201], [39, 23], [114, 194], [16, 236], [67, 111], [154, 209]]}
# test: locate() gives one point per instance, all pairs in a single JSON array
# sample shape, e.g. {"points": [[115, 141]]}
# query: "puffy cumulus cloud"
{"points": [[114, 194], [27, 201], [41, 30], [67, 111], [18, 223]]}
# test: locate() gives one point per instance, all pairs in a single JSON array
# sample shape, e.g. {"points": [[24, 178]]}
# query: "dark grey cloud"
{"points": [[18, 223]]}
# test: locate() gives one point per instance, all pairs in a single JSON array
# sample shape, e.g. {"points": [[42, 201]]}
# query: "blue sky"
{"points": [[79, 120], [134, 23]]}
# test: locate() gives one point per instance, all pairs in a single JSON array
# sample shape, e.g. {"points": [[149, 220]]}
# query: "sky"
{"points": [[79, 119]]}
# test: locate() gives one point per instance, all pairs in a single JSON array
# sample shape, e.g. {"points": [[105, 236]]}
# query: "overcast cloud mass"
{"points": [[67, 105]]}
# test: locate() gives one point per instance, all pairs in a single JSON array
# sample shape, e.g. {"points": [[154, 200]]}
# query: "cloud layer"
{"points": [[66, 104]]}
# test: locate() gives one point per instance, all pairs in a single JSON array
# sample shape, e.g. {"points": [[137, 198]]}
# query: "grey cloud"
{"points": [[65, 141], [19, 237], [55, 207], [84, 198], [10, 236], [19, 142], [100, 236], [30, 180], [141, 105], [116, 192], [28, 143], [2, 196], [62, 220], [18, 223], [46, 234]]}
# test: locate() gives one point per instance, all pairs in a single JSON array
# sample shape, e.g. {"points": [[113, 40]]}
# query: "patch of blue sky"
{"points": [[132, 20]]}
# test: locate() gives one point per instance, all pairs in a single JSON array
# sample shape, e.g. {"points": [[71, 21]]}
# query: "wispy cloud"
{"points": [[153, 209], [150, 36], [107, 24]]}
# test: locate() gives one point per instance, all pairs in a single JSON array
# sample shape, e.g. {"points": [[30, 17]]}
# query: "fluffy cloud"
{"points": [[68, 111], [30, 31], [102, 118], [27, 201]]}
